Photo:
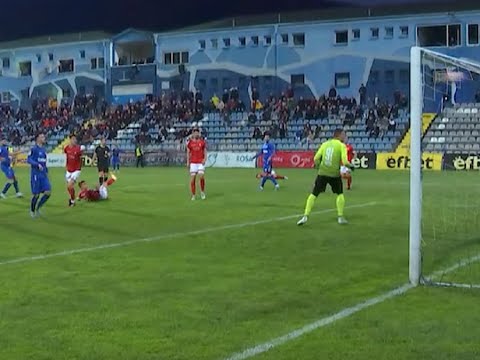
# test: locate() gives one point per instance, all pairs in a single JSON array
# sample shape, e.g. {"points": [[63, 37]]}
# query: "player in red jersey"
{"points": [[73, 152], [196, 159], [344, 171], [97, 194]]}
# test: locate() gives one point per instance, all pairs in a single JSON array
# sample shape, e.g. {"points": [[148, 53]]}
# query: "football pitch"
{"points": [[151, 275]]}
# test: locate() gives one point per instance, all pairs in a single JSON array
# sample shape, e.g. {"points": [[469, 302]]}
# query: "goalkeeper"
{"points": [[328, 160]]}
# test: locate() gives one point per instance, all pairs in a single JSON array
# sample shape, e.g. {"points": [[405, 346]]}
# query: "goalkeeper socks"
{"points": [[202, 184], [340, 205], [310, 202], [33, 204], [193, 186], [15, 185], [110, 182], [43, 200], [349, 182], [6, 188]]}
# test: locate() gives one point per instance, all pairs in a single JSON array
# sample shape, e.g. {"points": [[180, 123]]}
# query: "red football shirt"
{"points": [[89, 195], [196, 148], [350, 153], [74, 158]]}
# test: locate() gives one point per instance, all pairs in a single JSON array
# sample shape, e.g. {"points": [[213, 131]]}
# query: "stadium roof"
{"points": [[333, 14], [55, 39]]}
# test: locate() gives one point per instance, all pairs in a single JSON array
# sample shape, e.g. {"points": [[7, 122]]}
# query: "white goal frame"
{"points": [[416, 114]]}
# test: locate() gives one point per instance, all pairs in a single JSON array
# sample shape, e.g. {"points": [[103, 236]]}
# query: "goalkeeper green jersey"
{"points": [[330, 157]]}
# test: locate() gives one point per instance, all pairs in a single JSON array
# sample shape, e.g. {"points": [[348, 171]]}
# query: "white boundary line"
{"points": [[342, 314], [168, 236]]}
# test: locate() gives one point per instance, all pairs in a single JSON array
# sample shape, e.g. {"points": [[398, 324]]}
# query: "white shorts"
{"points": [[344, 170], [72, 176], [197, 169], [103, 192]]}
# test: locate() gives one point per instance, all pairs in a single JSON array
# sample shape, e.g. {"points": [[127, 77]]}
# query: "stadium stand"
{"points": [[456, 129]]}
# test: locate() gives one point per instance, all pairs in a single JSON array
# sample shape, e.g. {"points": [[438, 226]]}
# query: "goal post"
{"points": [[444, 217], [416, 111]]}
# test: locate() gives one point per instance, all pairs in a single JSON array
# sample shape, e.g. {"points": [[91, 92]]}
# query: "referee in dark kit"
{"points": [[102, 155]]}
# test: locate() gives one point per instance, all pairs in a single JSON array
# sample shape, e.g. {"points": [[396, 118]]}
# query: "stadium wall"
{"points": [[310, 56]]}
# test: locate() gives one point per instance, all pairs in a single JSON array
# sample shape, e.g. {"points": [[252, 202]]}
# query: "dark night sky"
{"points": [[26, 18]]}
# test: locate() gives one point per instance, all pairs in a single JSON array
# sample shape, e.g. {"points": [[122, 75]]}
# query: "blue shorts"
{"points": [[115, 161], [9, 173], [267, 167], [40, 184]]}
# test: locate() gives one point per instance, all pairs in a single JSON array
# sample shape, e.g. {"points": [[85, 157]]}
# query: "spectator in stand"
{"points": [[332, 93], [477, 97], [392, 125], [363, 95]]}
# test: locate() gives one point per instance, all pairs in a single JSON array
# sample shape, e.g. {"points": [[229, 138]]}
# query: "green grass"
{"points": [[217, 292]]}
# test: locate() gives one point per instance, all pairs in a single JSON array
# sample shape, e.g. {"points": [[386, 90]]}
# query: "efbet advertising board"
{"points": [[393, 161], [461, 162]]}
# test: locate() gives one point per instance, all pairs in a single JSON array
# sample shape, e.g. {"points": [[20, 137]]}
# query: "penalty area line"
{"points": [[168, 236], [344, 313]]}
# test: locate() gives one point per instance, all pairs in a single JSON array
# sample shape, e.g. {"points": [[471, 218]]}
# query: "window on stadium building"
{"points": [[176, 58], [185, 57], [454, 35], [66, 93], [297, 79], [341, 37], [342, 80], [267, 40], [6, 63], [403, 31], [284, 39], [66, 66], [226, 42], [404, 76], [214, 43], [25, 68], [202, 44], [242, 41], [388, 32], [93, 64], [167, 58], [374, 33], [82, 54], [5, 97], [389, 76], [39, 58], [50, 57], [255, 40], [429, 36], [356, 34], [472, 34], [101, 63], [299, 39]]}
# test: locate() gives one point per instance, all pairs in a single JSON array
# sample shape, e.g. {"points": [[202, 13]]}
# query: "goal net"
{"points": [[444, 175]]}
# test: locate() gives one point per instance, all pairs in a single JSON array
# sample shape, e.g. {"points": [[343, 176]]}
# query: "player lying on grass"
{"points": [[267, 151], [345, 171], [97, 194], [272, 173], [6, 168], [328, 158]]}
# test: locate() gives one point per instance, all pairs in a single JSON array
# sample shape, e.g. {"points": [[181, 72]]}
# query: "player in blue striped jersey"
{"points": [[39, 181], [6, 168]]}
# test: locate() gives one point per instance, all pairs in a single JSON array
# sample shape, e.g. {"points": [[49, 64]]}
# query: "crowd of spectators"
{"points": [[91, 118]]}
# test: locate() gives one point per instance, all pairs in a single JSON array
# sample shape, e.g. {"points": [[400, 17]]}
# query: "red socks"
{"points": [[193, 186], [349, 182], [110, 182], [202, 184], [71, 191]]}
